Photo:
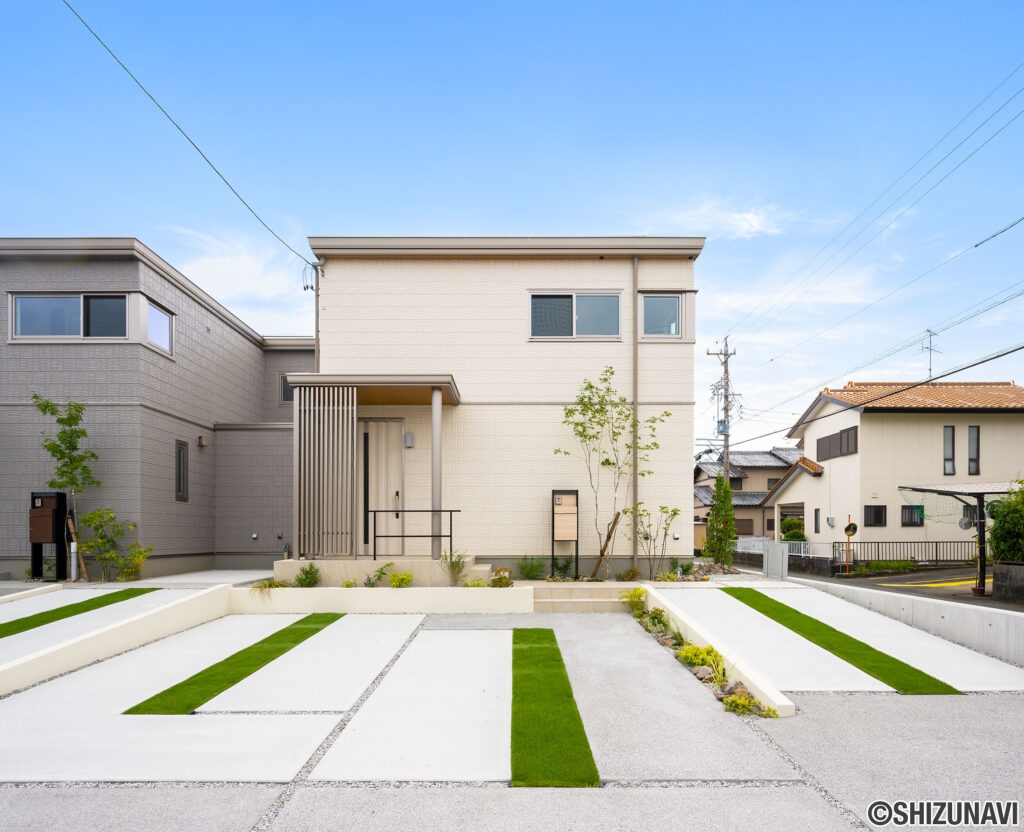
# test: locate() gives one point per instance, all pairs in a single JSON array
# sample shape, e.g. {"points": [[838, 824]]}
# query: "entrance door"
{"points": [[379, 484]]}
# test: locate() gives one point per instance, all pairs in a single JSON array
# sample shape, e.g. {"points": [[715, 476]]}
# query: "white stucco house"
{"points": [[443, 367], [862, 442]]}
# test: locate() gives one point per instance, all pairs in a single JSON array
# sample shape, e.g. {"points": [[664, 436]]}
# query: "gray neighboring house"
{"points": [[188, 408]]}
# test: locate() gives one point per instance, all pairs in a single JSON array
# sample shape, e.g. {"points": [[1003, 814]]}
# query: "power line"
{"points": [[896, 181], [1001, 354], [188, 138]]}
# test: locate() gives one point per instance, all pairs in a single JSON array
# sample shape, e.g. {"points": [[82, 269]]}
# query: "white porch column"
{"points": [[435, 472], [778, 520]]}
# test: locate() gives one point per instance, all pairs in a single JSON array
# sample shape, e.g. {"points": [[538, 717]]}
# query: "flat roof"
{"points": [[466, 247], [384, 388]]}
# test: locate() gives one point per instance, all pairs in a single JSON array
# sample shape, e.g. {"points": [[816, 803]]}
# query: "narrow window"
{"points": [[181, 471], [769, 524], [874, 515], [159, 328], [287, 391], [105, 316], [974, 450], [912, 516], [948, 447], [817, 521]]}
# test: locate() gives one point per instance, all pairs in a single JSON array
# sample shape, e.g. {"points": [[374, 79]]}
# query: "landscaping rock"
{"points": [[737, 688], [703, 673]]}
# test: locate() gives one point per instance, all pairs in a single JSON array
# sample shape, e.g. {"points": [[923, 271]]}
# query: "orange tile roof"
{"points": [[941, 395]]}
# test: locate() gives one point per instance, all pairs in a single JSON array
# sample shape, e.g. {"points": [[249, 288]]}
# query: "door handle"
{"points": [[397, 504]]}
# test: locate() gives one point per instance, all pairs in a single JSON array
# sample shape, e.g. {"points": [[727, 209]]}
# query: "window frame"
{"points": [[738, 486], [832, 446], [817, 521], [680, 316], [949, 453], [180, 471], [148, 341], [973, 450], [81, 335], [912, 516], [573, 294], [873, 513]]}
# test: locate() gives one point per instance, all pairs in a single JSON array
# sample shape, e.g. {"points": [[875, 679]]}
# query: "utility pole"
{"points": [[723, 425]]}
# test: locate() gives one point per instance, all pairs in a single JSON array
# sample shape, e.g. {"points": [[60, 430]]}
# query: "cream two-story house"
{"points": [[443, 368], [863, 442]]}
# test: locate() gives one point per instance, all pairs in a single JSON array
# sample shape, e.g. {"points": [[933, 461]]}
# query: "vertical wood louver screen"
{"points": [[325, 446]]}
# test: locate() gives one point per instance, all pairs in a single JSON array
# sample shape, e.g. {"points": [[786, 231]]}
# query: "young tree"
{"points": [[604, 423], [721, 524], [651, 533]]}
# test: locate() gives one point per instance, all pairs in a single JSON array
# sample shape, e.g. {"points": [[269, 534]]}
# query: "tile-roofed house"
{"points": [[752, 475], [866, 439]]}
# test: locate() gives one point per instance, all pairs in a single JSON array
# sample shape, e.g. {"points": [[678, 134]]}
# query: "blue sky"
{"points": [[766, 127]]}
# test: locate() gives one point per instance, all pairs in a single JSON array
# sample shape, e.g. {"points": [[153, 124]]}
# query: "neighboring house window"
{"points": [[874, 515], [287, 391], [574, 316], [772, 482], [736, 483], [159, 327], [74, 316], [181, 471], [973, 450], [661, 316], [971, 513], [817, 521], [948, 448], [744, 526], [769, 524], [912, 516], [843, 443]]}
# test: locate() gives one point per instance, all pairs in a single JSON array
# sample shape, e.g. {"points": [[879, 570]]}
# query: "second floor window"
{"points": [[577, 315], [75, 316], [973, 450], [948, 450]]}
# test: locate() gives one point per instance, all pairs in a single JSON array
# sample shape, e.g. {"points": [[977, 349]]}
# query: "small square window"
{"points": [[287, 391], [661, 315], [912, 516], [181, 471], [772, 482], [874, 515], [736, 483]]}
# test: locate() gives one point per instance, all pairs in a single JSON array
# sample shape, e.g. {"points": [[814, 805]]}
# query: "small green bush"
{"points": [[476, 582], [627, 575], [501, 578], [262, 588], [530, 569], [796, 535], [400, 580], [562, 567], [693, 656], [636, 598], [349, 584], [374, 578], [666, 577], [308, 576], [454, 563], [102, 546], [791, 524], [741, 704], [655, 621]]}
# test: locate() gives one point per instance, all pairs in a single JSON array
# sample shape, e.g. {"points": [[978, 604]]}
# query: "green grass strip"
{"points": [[186, 696], [549, 745], [891, 671], [30, 622]]}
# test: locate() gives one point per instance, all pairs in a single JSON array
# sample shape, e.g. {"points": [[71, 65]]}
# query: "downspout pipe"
{"points": [[317, 274], [636, 395]]}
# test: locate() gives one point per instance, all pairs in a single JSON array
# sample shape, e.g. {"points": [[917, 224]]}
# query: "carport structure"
{"points": [[972, 495]]}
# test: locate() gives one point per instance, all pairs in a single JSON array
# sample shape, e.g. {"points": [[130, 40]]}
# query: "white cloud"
{"points": [[718, 217]]}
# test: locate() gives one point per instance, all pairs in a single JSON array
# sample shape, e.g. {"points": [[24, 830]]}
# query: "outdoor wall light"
{"points": [[409, 440], [255, 536]]}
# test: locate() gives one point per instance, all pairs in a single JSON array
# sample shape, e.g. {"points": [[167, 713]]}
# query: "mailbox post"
{"points": [[565, 523], [47, 520]]}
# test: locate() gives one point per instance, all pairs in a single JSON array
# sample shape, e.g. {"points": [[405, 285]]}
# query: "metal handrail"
{"points": [[448, 511], [931, 551]]}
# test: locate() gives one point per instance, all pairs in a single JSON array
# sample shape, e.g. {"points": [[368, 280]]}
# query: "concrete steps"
{"points": [[577, 597]]}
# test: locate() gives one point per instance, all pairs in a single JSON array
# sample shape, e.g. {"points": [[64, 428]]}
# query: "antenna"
{"points": [[929, 349]]}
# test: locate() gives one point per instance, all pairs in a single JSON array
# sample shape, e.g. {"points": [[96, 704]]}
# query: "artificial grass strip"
{"points": [[30, 622], [891, 671], [186, 696], [549, 744]]}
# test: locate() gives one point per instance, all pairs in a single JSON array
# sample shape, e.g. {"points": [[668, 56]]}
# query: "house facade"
{"points": [[752, 474], [863, 442], [187, 406], [444, 368]]}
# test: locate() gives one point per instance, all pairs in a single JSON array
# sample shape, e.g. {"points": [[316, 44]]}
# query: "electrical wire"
{"points": [[188, 138]]}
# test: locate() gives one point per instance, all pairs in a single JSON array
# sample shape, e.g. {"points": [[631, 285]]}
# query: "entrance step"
{"points": [[578, 597]]}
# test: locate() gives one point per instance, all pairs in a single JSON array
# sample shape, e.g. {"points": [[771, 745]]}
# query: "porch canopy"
{"points": [[970, 494], [324, 456]]}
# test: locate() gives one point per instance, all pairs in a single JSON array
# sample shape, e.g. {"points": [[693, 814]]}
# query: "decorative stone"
{"points": [[702, 673]]}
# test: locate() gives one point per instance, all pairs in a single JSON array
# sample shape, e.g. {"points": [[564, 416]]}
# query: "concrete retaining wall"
{"points": [[28, 593], [998, 633], [383, 600], [694, 633]]}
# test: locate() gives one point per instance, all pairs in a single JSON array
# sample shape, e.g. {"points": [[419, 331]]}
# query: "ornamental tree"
{"points": [[606, 427], [721, 524], [1006, 537]]}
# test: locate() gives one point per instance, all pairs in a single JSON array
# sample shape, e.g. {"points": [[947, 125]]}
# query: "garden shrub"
{"points": [[636, 598], [501, 578], [693, 656], [738, 703], [308, 576], [627, 575], [530, 569], [400, 580]]}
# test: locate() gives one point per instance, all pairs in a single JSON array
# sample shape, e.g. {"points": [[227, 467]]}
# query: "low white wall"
{"points": [[383, 599], [694, 633], [28, 593], [998, 633], [109, 641]]}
